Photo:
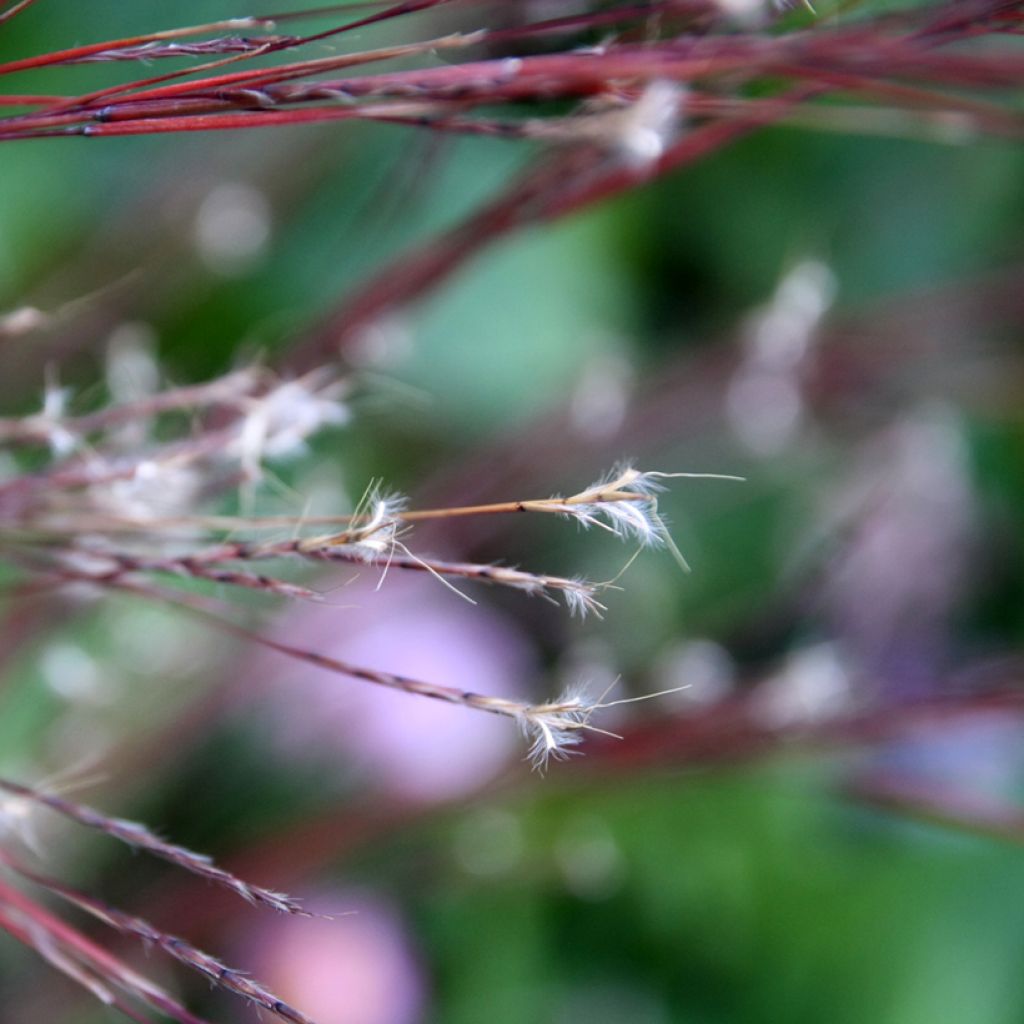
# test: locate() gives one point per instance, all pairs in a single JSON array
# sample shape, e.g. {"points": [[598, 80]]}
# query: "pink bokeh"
{"points": [[411, 746], [357, 968]]}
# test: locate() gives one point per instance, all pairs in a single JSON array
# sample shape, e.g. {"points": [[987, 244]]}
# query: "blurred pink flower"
{"points": [[357, 968], [412, 746]]}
